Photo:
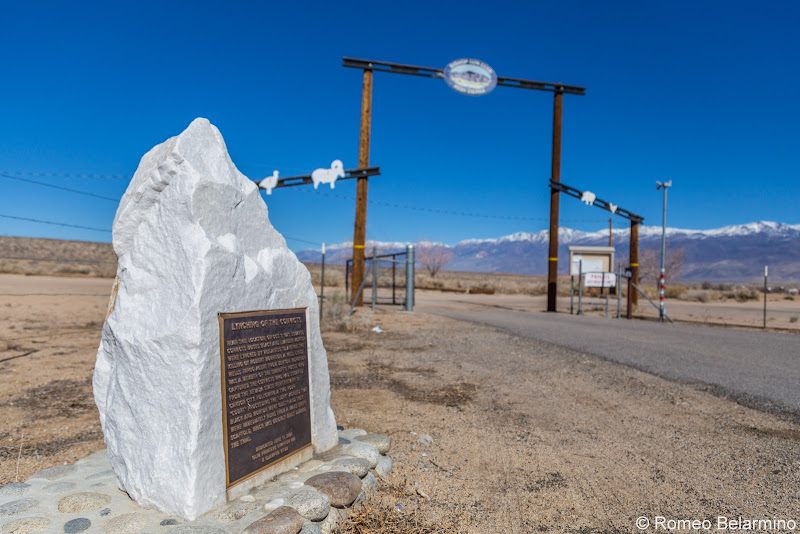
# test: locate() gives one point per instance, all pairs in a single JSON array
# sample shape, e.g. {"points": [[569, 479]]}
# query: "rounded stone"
{"points": [[334, 518], [384, 466], [274, 504], [17, 507], [53, 473], [26, 525], [340, 487], [379, 441], [168, 522], [15, 488], [364, 450], [59, 487], [82, 502], [126, 524], [236, 511], [311, 504], [77, 525], [310, 528], [352, 433], [369, 483], [355, 466], [284, 520]]}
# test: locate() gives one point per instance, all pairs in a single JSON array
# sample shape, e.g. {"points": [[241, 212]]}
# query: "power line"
{"points": [[77, 191], [54, 223], [99, 230], [59, 260], [443, 211], [301, 240], [70, 175]]}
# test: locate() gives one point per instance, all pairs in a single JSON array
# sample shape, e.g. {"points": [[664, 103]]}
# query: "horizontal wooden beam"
{"points": [[433, 72]]}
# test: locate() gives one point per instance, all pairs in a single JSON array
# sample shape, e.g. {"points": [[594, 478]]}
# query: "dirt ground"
{"points": [[525, 436]]}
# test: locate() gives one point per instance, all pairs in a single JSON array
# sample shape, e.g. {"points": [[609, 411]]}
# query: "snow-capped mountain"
{"points": [[731, 253]]}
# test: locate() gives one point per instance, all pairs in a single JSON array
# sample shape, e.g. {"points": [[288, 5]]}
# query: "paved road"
{"points": [[759, 369]]}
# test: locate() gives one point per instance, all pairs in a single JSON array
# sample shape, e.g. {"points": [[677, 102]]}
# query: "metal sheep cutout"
{"points": [[328, 176]]}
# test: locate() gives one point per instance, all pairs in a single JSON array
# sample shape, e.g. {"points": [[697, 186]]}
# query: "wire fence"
{"points": [[19, 177]]}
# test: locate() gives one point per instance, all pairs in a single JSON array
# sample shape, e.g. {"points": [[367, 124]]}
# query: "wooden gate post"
{"points": [[555, 175], [634, 254], [360, 230]]}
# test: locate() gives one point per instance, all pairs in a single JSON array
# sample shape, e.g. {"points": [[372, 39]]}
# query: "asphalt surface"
{"points": [[757, 369]]}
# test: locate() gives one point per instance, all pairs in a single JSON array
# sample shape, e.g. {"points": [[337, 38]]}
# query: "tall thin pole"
{"points": [[360, 230], [661, 311], [374, 277], [580, 287], [610, 232], [619, 290], [410, 278], [555, 175], [322, 284], [633, 298], [766, 271]]}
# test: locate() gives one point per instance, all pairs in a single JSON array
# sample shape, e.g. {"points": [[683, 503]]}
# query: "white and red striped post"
{"points": [[664, 186]]}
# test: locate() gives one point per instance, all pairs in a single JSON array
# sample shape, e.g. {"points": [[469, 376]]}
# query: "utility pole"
{"points": [[610, 232], [555, 176], [360, 231], [766, 288], [634, 259], [664, 186]]}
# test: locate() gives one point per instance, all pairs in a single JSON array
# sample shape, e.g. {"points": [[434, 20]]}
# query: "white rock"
{"points": [[352, 433], [384, 466], [360, 449], [193, 239]]}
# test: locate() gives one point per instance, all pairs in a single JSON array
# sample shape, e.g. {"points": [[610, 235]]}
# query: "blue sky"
{"points": [[702, 93]]}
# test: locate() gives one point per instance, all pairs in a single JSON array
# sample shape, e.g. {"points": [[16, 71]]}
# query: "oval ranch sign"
{"points": [[470, 77]]}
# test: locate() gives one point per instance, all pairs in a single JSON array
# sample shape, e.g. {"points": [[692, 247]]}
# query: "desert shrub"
{"points": [[706, 285], [698, 295], [743, 294], [793, 319], [788, 297], [481, 291], [675, 292], [334, 314]]}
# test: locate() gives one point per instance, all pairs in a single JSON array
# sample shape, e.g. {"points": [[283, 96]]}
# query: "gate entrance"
{"points": [[467, 76]]}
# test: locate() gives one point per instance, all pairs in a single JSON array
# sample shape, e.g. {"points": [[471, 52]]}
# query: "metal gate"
{"points": [[389, 278]]}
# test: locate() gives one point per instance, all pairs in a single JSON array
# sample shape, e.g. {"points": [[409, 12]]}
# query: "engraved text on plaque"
{"points": [[266, 412]]}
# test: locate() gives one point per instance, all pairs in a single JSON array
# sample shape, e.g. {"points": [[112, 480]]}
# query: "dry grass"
{"points": [[334, 314], [395, 508]]}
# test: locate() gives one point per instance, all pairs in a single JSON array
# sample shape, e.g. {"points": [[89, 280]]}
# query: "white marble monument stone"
{"points": [[193, 240]]}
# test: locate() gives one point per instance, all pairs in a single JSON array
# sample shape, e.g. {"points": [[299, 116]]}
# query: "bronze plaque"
{"points": [[265, 396]]}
